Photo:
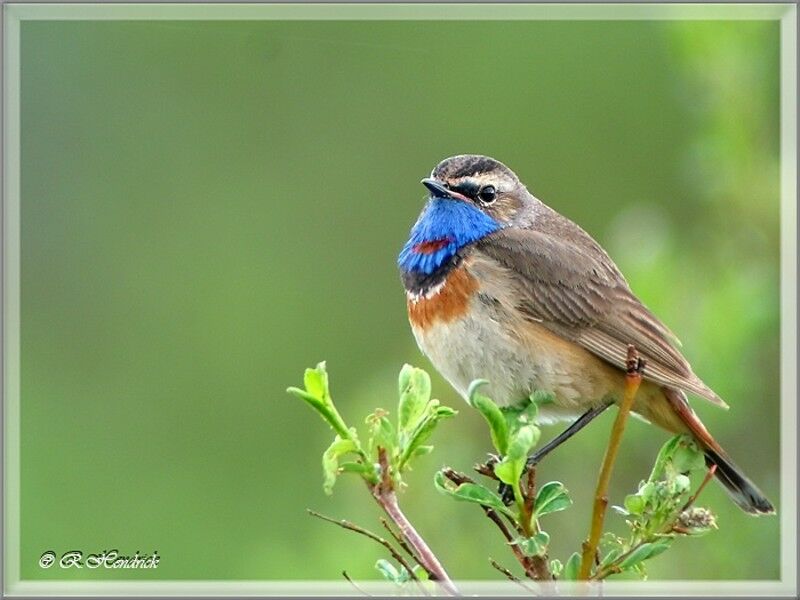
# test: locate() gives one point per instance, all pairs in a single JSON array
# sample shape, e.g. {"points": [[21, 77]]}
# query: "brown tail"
{"points": [[741, 490]]}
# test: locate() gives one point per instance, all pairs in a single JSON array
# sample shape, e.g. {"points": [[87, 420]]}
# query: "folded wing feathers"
{"points": [[588, 301], [614, 351]]}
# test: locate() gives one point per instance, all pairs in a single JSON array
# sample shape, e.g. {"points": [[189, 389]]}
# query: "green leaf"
{"points": [[330, 461], [552, 497], [527, 416], [405, 576], [556, 567], [423, 430], [415, 391], [498, 427], [382, 433], [315, 402], [316, 381], [444, 412], [470, 492], [664, 456], [541, 398], [612, 555], [509, 470], [523, 413], [388, 570], [635, 504], [572, 568], [317, 395], [687, 456], [648, 492], [422, 451], [420, 572], [534, 546], [354, 467], [523, 442], [681, 484], [644, 552]]}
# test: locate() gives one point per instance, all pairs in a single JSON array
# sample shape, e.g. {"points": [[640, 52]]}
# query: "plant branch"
{"points": [[530, 495], [365, 532], [535, 567], [385, 495], [709, 475], [510, 576], [355, 585], [668, 528], [633, 378], [403, 544], [487, 470]]}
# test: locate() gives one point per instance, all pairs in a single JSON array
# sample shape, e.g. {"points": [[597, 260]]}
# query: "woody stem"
{"points": [[384, 494], [633, 378]]}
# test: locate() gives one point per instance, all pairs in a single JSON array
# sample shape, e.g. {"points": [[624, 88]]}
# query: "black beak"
{"points": [[437, 189]]}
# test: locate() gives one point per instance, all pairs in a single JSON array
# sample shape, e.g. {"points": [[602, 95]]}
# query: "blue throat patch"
{"points": [[444, 227]]}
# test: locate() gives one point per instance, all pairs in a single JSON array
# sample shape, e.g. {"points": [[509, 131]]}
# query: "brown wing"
{"points": [[571, 286]]}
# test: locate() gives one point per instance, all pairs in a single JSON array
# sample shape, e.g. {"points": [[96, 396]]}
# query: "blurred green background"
{"points": [[210, 207]]}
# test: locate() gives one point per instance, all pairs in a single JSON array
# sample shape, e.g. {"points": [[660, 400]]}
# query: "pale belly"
{"points": [[517, 361]]}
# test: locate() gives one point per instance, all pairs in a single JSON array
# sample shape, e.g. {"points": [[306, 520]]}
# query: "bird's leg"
{"points": [[562, 437], [507, 493]]}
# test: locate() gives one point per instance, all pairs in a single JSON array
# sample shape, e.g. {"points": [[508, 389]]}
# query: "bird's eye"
{"points": [[488, 194]]}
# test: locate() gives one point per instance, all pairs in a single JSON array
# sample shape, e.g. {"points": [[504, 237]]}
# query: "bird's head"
{"points": [[471, 196], [481, 181]]}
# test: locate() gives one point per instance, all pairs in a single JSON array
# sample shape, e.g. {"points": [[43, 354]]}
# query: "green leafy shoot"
{"points": [[536, 545], [330, 461], [498, 426], [415, 391], [510, 469], [658, 512], [572, 567], [418, 415], [399, 575], [317, 395], [471, 492], [552, 497], [401, 441], [514, 435]]}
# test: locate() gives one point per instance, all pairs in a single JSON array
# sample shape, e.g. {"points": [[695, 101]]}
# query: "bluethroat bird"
{"points": [[501, 287]]}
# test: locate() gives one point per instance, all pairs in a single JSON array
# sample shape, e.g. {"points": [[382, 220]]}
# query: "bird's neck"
{"points": [[438, 239]]}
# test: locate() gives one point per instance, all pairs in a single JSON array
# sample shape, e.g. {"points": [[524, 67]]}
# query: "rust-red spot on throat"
{"points": [[429, 247]]}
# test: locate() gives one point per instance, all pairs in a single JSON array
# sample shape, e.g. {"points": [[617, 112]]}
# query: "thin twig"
{"points": [[709, 475], [487, 469], [613, 568], [403, 544], [540, 564], [458, 479], [355, 585], [510, 576], [345, 524], [385, 495], [524, 561], [633, 378], [530, 493]]}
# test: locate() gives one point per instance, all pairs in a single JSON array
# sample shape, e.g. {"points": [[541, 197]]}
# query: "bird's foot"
{"points": [[634, 365], [506, 493]]}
